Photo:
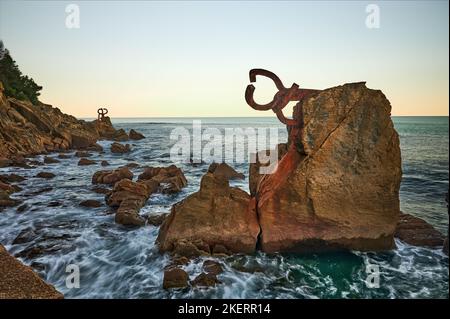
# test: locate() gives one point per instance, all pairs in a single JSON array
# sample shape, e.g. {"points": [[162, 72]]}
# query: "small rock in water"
{"points": [[101, 190], [40, 191], [132, 165], [54, 204], [50, 160], [11, 178], [46, 175], [90, 203], [134, 135], [175, 278], [63, 156], [104, 163], [82, 154], [205, 280], [95, 148], [9, 189], [120, 148], [22, 208], [179, 261], [85, 161], [25, 236], [212, 267], [6, 201], [120, 135]]}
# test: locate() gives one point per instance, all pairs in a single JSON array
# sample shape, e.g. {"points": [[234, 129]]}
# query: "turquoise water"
{"points": [[118, 262]]}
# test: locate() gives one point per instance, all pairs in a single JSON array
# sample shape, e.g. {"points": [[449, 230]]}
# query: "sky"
{"points": [[181, 58]]}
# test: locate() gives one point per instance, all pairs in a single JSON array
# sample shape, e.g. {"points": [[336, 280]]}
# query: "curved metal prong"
{"points": [[262, 72], [250, 101]]}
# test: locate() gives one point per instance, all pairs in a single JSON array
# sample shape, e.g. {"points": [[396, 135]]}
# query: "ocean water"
{"points": [[119, 262]]}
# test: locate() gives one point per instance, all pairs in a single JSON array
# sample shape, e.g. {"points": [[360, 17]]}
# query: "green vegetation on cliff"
{"points": [[14, 82]]}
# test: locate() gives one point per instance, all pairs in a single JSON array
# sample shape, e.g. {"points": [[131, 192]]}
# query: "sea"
{"points": [[56, 236]]}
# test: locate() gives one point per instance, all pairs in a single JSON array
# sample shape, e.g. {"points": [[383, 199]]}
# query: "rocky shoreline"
{"points": [[336, 186]]}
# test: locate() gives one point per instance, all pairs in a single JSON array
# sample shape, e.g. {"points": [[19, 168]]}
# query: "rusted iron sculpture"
{"points": [[101, 113], [281, 98]]}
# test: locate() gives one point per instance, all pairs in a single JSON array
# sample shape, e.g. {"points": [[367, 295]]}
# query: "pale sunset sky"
{"points": [[181, 58]]}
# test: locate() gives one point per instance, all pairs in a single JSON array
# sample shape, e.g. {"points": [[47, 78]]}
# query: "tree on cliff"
{"points": [[14, 82]]}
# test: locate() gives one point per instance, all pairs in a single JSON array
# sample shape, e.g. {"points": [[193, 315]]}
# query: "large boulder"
{"points": [[337, 186], [215, 215]]}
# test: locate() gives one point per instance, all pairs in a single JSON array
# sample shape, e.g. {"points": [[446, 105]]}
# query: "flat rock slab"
{"points": [[417, 232], [18, 281]]}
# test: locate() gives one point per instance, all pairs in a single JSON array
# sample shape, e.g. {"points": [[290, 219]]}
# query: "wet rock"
{"points": [[95, 148], [85, 161], [134, 135], [5, 162], [224, 170], [179, 261], [216, 215], [212, 267], [25, 236], [54, 204], [82, 154], [101, 190], [132, 165], [205, 280], [22, 208], [46, 175], [111, 177], [104, 163], [220, 250], [337, 186], [128, 197], [184, 248], [120, 148], [171, 179], [91, 203], [156, 220], [35, 163], [63, 156], [11, 178], [251, 269], [175, 278], [40, 191], [18, 281], [50, 160], [120, 136], [9, 189], [417, 232], [6, 201]]}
